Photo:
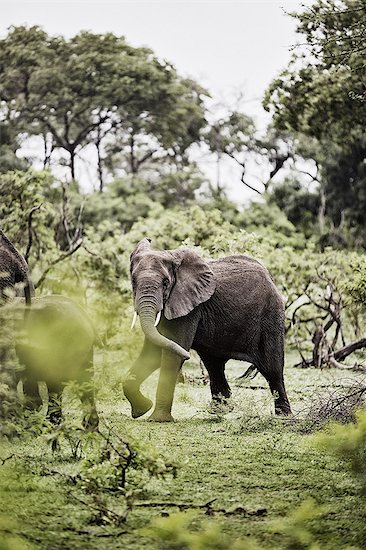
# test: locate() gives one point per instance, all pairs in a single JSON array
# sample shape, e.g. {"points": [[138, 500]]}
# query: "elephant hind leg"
{"points": [[277, 386], [220, 389], [270, 364]]}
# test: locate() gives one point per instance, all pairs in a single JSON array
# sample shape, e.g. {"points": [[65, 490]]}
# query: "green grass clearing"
{"points": [[246, 458]]}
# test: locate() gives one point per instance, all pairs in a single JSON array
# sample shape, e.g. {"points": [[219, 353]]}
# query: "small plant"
{"points": [[337, 405], [111, 471], [296, 528], [175, 532], [347, 442], [8, 539]]}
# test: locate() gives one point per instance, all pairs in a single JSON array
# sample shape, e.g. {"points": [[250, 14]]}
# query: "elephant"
{"points": [[224, 309], [56, 346], [55, 341], [14, 272]]}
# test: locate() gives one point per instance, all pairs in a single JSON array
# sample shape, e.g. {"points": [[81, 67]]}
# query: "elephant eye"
{"points": [[165, 282]]}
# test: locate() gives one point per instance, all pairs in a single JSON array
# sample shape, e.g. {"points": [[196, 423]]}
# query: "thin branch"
{"points": [[30, 230], [57, 261], [3, 460], [248, 185]]}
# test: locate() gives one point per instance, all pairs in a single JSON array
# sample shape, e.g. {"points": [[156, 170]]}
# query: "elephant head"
{"points": [[172, 282], [13, 270]]}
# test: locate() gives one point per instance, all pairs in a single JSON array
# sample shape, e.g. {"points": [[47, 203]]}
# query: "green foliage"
{"points": [[318, 95], [129, 199], [21, 193], [267, 220], [174, 533], [348, 443], [193, 226], [356, 286], [8, 147], [81, 90], [299, 205], [9, 540], [296, 529], [111, 471], [334, 29]]}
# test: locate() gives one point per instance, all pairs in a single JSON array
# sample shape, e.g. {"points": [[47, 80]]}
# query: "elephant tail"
{"points": [[250, 373]]}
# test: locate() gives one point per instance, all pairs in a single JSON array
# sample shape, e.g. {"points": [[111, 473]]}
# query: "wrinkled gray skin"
{"points": [[56, 347], [14, 272], [224, 309]]}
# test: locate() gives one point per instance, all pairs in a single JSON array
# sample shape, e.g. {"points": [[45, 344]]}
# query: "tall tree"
{"points": [[77, 92], [235, 136], [321, 95]]}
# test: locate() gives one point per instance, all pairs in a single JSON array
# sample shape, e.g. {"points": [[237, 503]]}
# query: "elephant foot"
{"points": [[141, 406], [139, 403], [283, 411], [220, 405], [160, 416]]}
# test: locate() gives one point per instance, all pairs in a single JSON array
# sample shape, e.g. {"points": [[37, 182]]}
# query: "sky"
{"points": [[230, 47]]}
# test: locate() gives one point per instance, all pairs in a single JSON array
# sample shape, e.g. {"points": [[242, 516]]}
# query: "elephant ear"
{"points": [[194, 284]]}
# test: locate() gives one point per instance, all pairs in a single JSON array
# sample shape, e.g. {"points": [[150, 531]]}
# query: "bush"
{"points": [[348, 443]]}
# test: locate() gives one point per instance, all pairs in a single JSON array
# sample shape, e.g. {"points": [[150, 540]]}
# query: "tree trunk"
{"points": [[72, 163], [100, 167], [350, 348]]}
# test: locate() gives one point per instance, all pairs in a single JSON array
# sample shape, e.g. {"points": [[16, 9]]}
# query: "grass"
{"points": [[246, 458]]}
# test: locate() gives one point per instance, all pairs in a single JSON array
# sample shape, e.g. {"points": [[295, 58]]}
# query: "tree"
{"points": [[78, 92], [9, 145], [335, 30], [300, 205], [319, 94], [146, 141], [235, 136]]}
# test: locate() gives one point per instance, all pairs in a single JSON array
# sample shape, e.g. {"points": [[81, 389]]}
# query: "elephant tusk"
{"points": [[134, 319], [157, 319]]}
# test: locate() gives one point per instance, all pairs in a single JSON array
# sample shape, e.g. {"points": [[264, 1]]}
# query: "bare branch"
{"points": [[61, 258]]}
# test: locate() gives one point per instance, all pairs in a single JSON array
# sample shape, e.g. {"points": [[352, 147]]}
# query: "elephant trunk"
{"points": [[147, 313]]}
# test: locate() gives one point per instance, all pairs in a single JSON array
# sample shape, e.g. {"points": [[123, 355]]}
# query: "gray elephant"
{"points": [[14, 272], [56, 347], [224, 309], [57, 337]]}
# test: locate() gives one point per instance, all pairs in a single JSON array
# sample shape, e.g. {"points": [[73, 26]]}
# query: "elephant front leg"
{"points": [[147, 362], [32, 397], [170, 367]]}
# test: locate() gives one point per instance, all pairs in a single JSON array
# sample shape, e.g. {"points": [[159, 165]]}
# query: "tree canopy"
{"points": [[81, 91], [321, 95]]}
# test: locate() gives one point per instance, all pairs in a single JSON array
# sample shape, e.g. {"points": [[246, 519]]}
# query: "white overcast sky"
{"points": [[228, 46]]}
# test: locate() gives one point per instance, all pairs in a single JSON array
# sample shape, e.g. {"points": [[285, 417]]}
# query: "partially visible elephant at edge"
{"points": [[224, 309], [57, 338], [56, 347], [14, 271]]}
